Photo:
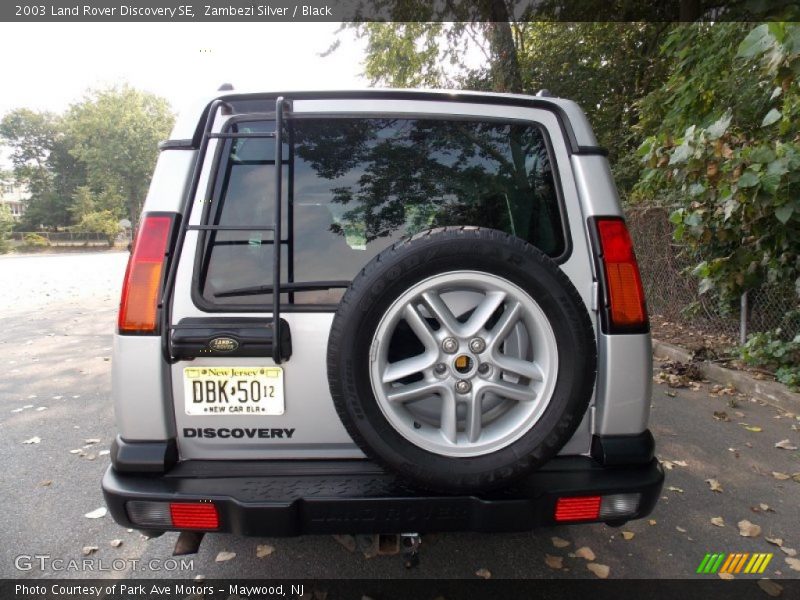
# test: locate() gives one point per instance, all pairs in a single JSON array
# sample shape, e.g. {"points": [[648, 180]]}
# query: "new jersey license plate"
{"points": [[233, 390]]}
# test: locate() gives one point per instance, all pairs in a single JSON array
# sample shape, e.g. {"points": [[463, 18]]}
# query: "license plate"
{"points": [[233, 390]]}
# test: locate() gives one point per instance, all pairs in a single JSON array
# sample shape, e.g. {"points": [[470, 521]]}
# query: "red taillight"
{"points": [[625, 294], [581, 508], [138, 309], [194, 515]]}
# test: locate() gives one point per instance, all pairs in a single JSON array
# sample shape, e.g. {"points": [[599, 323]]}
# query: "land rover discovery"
{"points": [[382, 311]]}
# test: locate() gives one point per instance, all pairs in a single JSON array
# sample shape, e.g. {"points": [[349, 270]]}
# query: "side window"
{"points": [[353, 186]]}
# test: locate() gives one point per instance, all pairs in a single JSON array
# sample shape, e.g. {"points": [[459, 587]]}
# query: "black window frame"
{"points": [[216, 185]]}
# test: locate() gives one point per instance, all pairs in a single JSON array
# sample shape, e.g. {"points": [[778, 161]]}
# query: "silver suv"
{"points": [[381, 312]]}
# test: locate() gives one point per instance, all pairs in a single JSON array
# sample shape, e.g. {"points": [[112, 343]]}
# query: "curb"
{"points": [[770, 392]]}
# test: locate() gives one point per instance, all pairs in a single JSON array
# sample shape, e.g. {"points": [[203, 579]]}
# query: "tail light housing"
{"points": [[144, 276], [596, 508], [177, 515], [624, 308]]}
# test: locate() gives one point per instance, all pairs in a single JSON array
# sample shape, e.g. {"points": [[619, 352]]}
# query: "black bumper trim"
{"points": [[370, 501], [144, 457], [624, 450]]}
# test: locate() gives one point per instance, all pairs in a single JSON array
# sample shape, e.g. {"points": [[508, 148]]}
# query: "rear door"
{"points": [[356, 178]]}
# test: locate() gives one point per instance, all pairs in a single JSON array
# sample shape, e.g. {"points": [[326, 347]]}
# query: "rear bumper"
{"points": [[288, 498]]}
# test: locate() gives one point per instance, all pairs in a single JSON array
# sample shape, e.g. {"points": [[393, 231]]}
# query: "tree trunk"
{"points": [[506, 75]]}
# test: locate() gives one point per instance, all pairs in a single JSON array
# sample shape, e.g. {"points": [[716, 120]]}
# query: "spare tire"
{"points": [[461, 358]]}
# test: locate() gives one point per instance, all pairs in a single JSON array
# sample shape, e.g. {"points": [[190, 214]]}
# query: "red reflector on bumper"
{"points": [[583, 508], [194, 515]]}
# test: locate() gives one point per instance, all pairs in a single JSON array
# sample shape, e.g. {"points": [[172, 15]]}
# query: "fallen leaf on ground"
{"points": [[92, 441], [115, 543], [348, 541], [87, 550], [559, 543], [780, 476], [753, 428], [720, 415], [681, 529], [770, 587], [668, 464], [766, 507], [97, 513], [263, 550], [554, 562], [652, 521], [748, 529], [485, 573], [714, 485], [34, 440], [601, 571], [794, 563], [585, 552], [785, 445], [672, 488], [46, 482], [225, 556], [628, 535], [725, 575], [718, 521], [789, 551], [775, 541], [680, 463], [103, 452]]}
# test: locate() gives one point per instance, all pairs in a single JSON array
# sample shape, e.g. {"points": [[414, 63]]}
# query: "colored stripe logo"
{"points": [[736, 562]]}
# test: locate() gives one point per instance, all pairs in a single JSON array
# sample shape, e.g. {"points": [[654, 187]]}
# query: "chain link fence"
{"points": [[679, 313]]}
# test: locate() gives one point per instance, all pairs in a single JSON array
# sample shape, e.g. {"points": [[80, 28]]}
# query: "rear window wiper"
{"points": [[307, 286]]}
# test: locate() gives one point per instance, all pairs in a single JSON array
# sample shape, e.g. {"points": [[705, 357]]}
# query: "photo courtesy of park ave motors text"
{"points": [[453, 294]]}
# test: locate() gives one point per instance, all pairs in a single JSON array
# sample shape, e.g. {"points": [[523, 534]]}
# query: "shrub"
{"points": [[34, 240]]}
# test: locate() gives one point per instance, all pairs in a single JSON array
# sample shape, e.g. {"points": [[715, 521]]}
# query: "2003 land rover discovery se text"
{"points": [[384, 311]]}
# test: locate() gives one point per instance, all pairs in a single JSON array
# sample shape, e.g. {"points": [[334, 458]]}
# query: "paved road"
{"points": [[56, 317]]}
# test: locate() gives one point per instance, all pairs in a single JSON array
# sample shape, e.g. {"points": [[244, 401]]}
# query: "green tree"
{"points": [[101, 221], [6, 224], [726, 152], [115, 134], [41, 160]]}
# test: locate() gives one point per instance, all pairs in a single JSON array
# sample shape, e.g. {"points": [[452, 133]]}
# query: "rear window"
{"points": [[354, 186]]}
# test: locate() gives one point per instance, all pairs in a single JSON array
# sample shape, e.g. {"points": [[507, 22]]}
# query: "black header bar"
{"points": [[394, 10]]}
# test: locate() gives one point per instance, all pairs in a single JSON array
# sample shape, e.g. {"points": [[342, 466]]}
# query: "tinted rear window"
{"points": [[354, 186]]}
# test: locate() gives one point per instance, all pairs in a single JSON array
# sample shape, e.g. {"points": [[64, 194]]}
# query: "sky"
{"points": [[48, 66]]}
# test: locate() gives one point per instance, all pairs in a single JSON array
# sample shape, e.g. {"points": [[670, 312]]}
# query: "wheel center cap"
{"points": [[463, 364]]}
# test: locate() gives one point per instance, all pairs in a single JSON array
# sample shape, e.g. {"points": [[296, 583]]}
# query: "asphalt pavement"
{"points": [[57, 315]]}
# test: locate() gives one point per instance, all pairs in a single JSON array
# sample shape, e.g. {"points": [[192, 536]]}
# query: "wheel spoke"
{"points": [[408, 366], [520, 367], [482, 313], [420, 327], [413, 391], [448, 421], [504, 326], [512, 391], [441, 311], [474, 415]]}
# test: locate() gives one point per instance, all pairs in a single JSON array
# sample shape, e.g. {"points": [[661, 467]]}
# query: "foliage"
{"points": [[768, 349], [41, 160], [6, 223], [733, 172], [34, 240], [101, 221], [106, 145], [115, 135]]}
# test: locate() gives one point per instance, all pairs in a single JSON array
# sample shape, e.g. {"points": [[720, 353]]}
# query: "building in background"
{"points": [[14, 195]]}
